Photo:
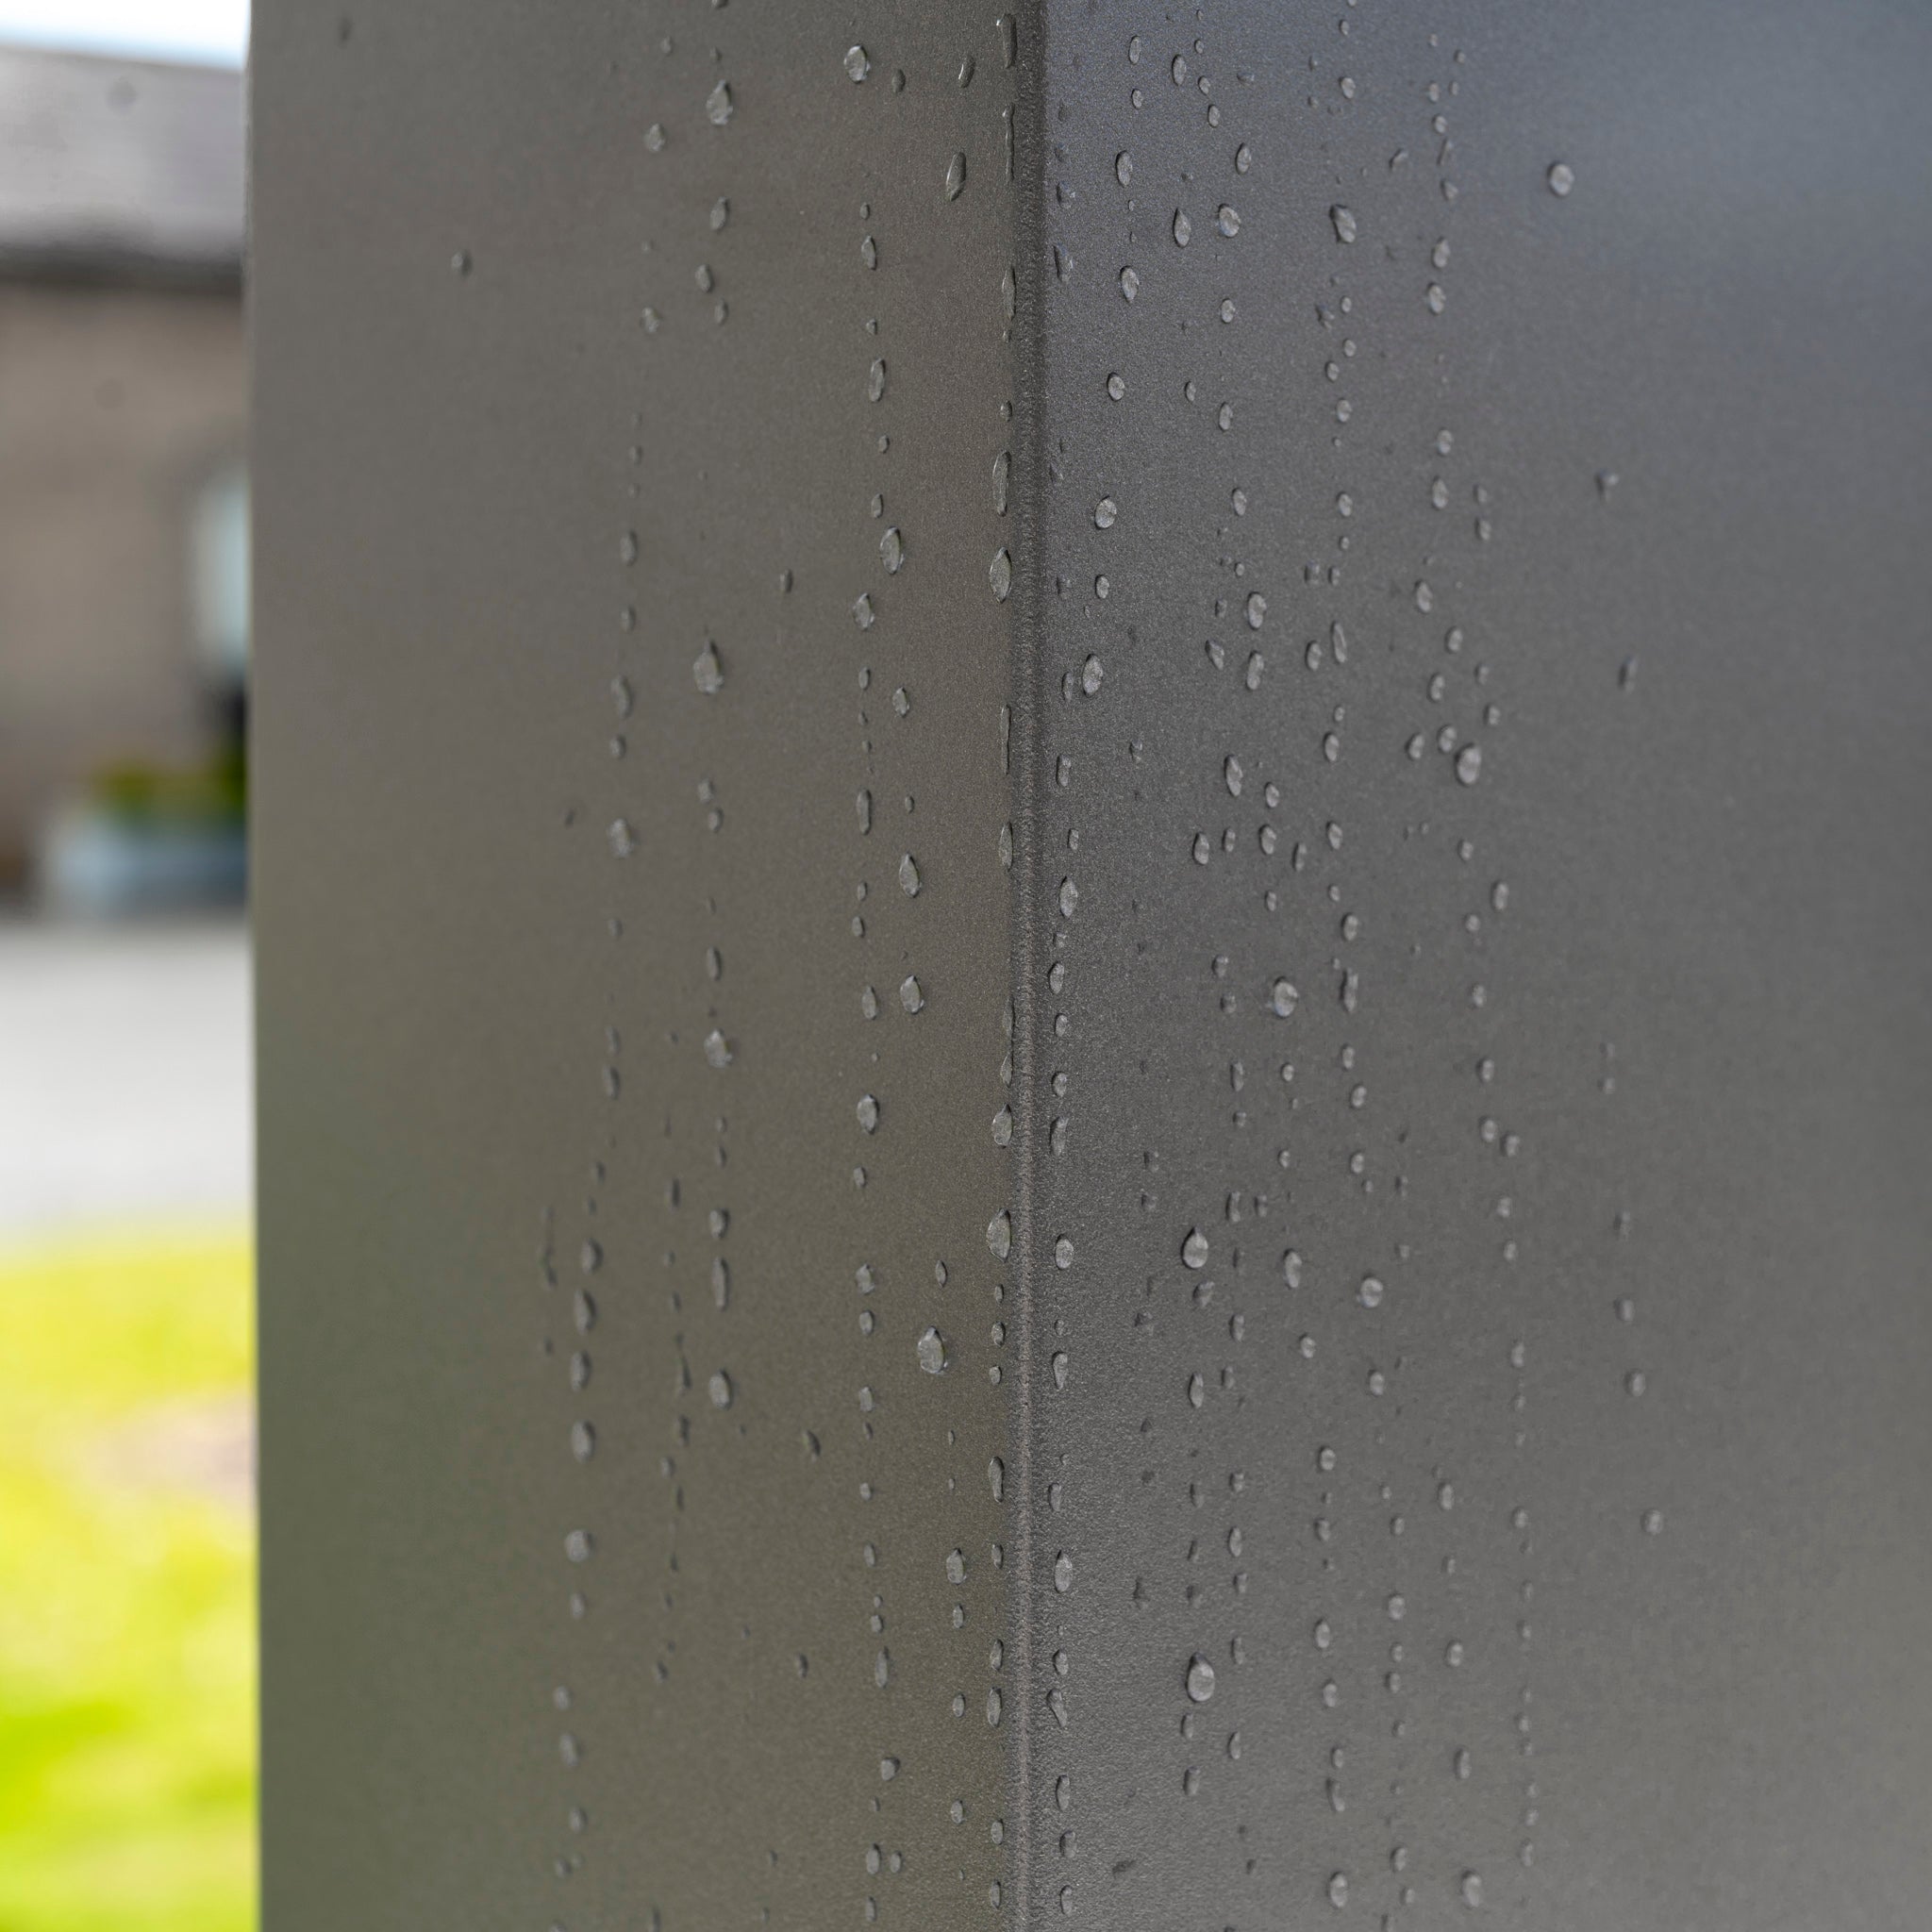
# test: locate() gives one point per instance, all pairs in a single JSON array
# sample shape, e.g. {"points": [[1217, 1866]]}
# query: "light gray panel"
{"points": [[605, 360]]}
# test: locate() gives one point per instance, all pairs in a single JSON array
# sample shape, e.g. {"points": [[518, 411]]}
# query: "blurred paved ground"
{"points": [[125, 1082]]}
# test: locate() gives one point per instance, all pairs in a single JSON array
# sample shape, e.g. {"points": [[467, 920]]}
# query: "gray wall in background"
{"points": [[1216, 718]]}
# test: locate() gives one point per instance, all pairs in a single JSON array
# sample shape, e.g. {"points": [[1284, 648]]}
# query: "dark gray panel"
{"points": [[1574, 777], [1398, 1104]]}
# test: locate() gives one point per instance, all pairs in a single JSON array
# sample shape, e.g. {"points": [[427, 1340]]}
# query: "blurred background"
{"points": [[126, 1532]]}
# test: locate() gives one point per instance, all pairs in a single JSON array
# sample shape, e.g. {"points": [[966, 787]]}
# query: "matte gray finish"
{"points": [[1094, 893]]}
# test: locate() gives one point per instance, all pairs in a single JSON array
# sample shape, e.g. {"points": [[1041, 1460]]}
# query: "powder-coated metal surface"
{"points": [[1092, 882]]}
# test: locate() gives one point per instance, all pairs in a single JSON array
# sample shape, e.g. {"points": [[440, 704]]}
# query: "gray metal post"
{"points": [[1093, 904]]}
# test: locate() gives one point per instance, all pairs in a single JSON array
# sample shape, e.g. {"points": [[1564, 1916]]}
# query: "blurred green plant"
{"points": [[215, 792], [127, 1588]]}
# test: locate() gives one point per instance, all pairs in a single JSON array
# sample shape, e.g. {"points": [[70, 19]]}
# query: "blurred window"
{"points": [[219, 573]]}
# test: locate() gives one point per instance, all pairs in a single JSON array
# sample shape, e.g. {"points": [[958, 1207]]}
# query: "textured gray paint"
{"points": [[1605, 1063]]}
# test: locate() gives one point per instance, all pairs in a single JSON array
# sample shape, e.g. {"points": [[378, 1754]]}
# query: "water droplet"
{"points": [[623, 840], [999, 574], [1370, 1293], [721, 1389], [1344, 219], [932, 1353], [707, 671], [1183, 228], [996, 1479], [892, 550], [1471, 1890], [956, 176], [717, 1049], [1338, 1891], [910, 997], [1282, 998], [908, 876], [1194, 1249], [875, 381], [1561, 177], [868, 1113], [1200, 1679], [1256, 610], [999, 1235], [718, 104], [583, 1440], [1228, 220], [1130, 283], [857, 62], [1063, 1573], [1469, 764], [1104, 512]]}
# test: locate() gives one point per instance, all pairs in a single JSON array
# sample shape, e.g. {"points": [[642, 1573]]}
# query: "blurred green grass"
{"points": [[127, 1586]]}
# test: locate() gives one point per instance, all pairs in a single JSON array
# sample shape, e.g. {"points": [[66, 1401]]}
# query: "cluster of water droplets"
{"points": [[1307, 665], [678, 702], [905, 891], [1290, 736]]}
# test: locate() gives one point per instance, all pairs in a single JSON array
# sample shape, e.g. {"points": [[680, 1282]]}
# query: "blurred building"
{"points": [[123, 427]]}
